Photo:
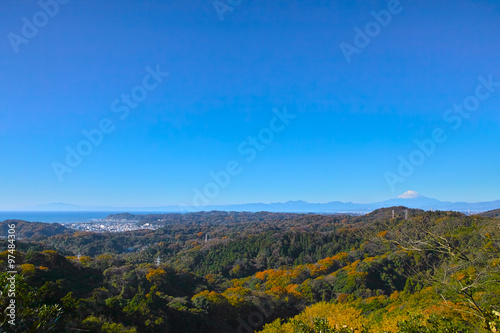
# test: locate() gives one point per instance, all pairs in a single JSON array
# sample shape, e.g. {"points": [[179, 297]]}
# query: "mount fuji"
{"points": [[412, 199], [410, 195]]}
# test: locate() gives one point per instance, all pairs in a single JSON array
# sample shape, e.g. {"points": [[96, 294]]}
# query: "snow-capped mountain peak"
{"points": [[410, 195]]}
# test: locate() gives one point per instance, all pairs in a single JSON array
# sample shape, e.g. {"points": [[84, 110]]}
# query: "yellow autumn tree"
{"points": [[28, 269], [338, 316]]}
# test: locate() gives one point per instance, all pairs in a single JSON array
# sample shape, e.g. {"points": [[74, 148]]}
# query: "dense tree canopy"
{"points": [[432, 272]]}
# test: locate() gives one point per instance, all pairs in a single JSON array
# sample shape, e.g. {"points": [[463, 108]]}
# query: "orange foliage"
{"points": [[262, 275], [342, 298], [156, 276], [382, 234], [210, 278]]}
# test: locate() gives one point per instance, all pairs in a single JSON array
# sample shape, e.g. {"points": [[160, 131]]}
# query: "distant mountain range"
{"points": [[410, 199]]}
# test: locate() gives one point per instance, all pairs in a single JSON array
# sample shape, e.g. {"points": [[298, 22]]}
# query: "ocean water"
{"points": [[55, 217]]}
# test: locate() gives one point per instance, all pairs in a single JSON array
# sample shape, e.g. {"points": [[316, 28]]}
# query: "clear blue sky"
{"points": [[352, 120]]}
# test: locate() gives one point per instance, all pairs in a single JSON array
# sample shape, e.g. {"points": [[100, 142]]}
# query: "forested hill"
{"points": [[33, 230], [491, 213], [420, 271], [213, 217], [386, 213]]}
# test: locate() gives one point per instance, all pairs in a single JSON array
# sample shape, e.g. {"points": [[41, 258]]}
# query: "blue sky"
{"points": [[352, 119]]}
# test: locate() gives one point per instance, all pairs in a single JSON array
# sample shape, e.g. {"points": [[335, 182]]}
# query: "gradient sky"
{"points": [[352, 120]]}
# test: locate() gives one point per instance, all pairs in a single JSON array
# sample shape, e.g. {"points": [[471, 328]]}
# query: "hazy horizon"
{"points": [[70, 207]]}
